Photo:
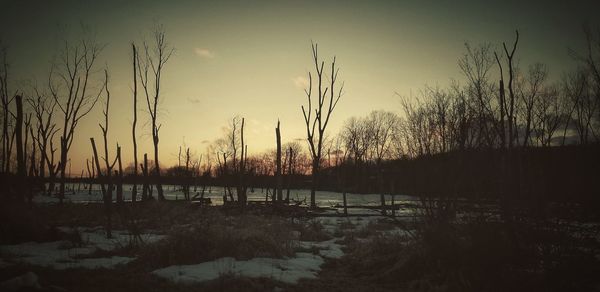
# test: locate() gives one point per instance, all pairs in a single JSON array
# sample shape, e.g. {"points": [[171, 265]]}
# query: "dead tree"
{"points": [[119, 175], [290, 158], [109, 166], [33, 171], [278, 164], [108, 188], [6, 100], [43, 111], [317, 118], [548, 115], [242, 187], [21, 174], [27, 124], [106, 197], [145, 188], [511, 102], [154, 60], [135, 156], [502, 104], [69, 82], [91, 174], [529, 97]]}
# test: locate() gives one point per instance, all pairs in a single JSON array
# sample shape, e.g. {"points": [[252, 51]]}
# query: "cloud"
{"points": [[300, 82], [204, 53], [194, 100]]}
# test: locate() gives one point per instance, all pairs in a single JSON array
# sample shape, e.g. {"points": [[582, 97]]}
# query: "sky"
{"points": [[252, 58]]}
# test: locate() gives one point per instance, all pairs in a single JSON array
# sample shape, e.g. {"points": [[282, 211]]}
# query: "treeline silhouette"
{"points": [[502, 132]]}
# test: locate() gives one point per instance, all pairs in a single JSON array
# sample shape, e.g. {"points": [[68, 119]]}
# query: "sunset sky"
{"points": [[251, 58]]}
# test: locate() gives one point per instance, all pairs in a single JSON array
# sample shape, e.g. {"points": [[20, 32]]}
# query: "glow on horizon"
{"points": [[251, 58]]}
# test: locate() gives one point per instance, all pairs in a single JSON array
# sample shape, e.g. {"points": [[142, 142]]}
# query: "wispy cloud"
{"points": [[204, 53], [300, 82], [194, 100]]}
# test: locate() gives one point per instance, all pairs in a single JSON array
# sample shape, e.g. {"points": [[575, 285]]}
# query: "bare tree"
{"points": [[529, 95], [133, 126], [43, 111], [317, 117], [382, 125], [590, 104], [70, 85], [548, 115], [510, 111], [278, 164], [106, 178], [475, 65], [154, 60], [20, 147], [6, 100]]}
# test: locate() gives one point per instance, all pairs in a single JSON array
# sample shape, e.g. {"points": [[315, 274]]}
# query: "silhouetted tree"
{"points": [[133, 126], [6, 99], [278, 164], [475, 65], [154, 60], [43, 110], [529, 91], [316, 117], [510, 111], [70, 86]]}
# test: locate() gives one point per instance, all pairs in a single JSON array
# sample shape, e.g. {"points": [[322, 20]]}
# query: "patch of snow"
{"points": [[27, 280], [327, 249], [62, 255], [93, 263], [288, 270]]}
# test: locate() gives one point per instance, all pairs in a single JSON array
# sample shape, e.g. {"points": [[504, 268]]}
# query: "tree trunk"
{"points": [[135, 157], [105, 192], [119, 178], [145, 182], [278, 165], [21, 172], [289, 175], [313, 188]]}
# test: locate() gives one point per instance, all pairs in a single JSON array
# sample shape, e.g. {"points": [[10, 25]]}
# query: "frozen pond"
{"points": [[79, 194]]}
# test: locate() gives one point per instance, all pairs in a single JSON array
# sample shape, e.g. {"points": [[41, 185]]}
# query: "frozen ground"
{"points": [[67, 254], [289, 270]]}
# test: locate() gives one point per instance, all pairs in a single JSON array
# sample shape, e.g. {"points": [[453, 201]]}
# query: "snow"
{"points": [[27, 281], [288, 270], [64, 255], [327, 249]]}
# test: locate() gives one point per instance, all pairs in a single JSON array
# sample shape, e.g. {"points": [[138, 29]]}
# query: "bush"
{"points": [[241, 237]]}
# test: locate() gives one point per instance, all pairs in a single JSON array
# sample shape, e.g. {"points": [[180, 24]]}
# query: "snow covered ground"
{"points": [[65, 254], [302, 265], [288, 270]]}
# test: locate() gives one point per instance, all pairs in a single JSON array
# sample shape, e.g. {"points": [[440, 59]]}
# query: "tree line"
{"points": [[497, 106]]}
